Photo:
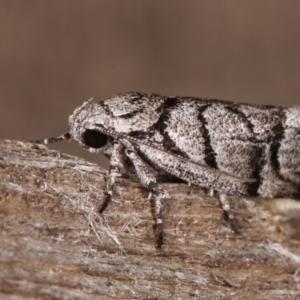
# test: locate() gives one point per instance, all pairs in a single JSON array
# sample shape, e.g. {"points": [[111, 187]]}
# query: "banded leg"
{"points": [[149, 181], [114, 171], [228, 214]]}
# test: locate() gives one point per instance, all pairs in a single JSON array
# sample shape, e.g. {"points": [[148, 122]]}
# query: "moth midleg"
{"points": [[227, 212], [149, 181], [114, 172], [210, 192]]}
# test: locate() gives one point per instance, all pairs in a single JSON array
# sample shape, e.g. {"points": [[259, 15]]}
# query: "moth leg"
{"points": [[114, 172], [211, 192], [149, 181], [228, 214]]}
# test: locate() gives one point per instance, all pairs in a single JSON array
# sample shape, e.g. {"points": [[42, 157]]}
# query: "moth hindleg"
{"points": [[228, 214], [149, 181]]}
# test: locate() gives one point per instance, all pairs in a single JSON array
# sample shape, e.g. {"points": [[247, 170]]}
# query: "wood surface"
{"points": [[55, 245]]}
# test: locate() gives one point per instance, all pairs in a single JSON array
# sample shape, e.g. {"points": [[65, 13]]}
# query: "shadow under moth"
{"points": [[231, 148]]}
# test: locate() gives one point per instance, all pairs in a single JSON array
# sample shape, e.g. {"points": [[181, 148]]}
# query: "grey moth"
{"points": [[231, 148]]}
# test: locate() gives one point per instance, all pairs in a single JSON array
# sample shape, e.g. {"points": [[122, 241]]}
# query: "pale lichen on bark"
{"points": [[54, 243]]}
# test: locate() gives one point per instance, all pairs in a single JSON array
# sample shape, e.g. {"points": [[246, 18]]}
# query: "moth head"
{"points": [[90, 124], [90, 139], [93, 140]]}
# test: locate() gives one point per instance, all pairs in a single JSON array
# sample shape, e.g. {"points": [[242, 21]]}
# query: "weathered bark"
{"points": [[55, 245]]}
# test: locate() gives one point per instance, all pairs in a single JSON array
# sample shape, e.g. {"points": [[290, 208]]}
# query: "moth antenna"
{"points": [[51, 140], [88, 101], [82, 106]]}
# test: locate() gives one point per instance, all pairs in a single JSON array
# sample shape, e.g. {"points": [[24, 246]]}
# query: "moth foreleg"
{"points": [[149, 181], [228, 214], [114, 172]]}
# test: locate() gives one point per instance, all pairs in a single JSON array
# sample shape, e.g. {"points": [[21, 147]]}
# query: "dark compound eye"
{"points": [[94, 139]]}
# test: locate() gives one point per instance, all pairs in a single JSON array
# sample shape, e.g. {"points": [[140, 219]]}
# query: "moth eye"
{"points": [[94, 139]]}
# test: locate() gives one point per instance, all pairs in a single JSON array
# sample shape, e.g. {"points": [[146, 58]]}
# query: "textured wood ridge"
{"points": [[54, 244]]}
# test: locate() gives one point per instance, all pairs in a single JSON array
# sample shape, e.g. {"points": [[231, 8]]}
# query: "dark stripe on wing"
{"points": [[160, 126], [210, 154], [276, 143]]}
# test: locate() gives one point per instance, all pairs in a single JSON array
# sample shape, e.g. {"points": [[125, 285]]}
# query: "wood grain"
{"points": [[55, 245]]}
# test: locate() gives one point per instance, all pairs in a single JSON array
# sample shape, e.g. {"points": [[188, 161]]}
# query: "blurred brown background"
{"points": [[56, 54]]}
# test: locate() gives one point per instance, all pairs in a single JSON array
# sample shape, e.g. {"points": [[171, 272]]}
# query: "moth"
{"points": [[231, 148]]}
